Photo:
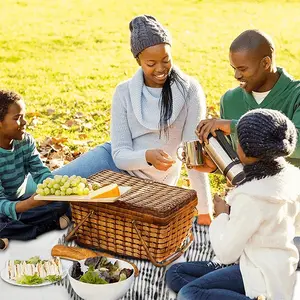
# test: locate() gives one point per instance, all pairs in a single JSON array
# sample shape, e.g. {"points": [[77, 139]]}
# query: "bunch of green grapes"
{"points": [[63, 186]]}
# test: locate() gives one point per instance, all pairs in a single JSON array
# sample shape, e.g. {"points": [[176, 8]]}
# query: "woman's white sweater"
{"points": [[133, 131], [259, 232]]}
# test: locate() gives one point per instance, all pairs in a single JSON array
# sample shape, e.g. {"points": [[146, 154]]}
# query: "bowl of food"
{"points": [[101, 276]]}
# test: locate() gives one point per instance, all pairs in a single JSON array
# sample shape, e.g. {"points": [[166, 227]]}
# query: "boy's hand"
{"points": [[159, 159], [30, 203], [205, 127], [220, 206]]}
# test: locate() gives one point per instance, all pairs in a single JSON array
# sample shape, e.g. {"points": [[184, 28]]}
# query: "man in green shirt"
{"points": [[262, 85]]}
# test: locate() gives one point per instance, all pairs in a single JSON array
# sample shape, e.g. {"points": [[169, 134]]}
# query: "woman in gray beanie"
{"points": [[257, 235], [152, 114]]}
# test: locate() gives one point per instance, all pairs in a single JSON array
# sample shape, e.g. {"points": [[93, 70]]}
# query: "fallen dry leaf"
{"points": [[83, 136], [50, 111]]}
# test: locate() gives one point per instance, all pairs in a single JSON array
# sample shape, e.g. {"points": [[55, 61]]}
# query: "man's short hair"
{"points": [[254, 40]]}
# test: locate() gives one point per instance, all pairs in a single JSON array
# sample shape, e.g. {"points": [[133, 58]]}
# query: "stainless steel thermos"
{"points": [[226, 159]]}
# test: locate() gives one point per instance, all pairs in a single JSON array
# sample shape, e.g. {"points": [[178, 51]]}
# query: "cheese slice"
{"points": [[108, 191]]}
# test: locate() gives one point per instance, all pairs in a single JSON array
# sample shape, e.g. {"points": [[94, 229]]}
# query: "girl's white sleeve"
{"points": [[196, 111], [297, 224], [123, 154], [230, 234]]}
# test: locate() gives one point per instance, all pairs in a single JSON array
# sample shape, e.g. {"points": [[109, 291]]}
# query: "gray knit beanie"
{"points": [[266, 133], [146, 31]]}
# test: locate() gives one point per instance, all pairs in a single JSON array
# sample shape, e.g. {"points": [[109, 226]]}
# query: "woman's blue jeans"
{"points": [[91, 162], [206, 280]]}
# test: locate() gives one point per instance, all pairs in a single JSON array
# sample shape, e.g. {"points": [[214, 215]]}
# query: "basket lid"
{"points": [[146, 196]]}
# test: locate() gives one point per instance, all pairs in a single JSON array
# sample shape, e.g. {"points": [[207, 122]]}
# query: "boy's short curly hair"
{"points": [[7, 98]]}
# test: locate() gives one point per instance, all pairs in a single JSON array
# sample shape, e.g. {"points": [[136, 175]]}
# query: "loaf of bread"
{"points": [[73, 253]]}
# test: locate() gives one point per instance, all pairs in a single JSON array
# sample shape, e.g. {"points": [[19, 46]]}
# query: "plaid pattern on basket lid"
{"points": [[146, 196]]}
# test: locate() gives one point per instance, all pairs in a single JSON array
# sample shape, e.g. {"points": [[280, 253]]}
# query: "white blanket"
{"points": [[150, 285]]}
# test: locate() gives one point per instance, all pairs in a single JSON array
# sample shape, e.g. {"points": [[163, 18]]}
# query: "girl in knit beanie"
{"points": [[256, 237]]}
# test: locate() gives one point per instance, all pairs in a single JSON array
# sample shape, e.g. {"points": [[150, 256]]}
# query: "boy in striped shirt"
{"points": [[22, 217]]}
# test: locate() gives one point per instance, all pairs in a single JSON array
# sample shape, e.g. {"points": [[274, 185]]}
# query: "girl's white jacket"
{"points": [[264, 218]]}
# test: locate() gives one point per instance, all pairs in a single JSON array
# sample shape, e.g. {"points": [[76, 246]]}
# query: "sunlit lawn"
{"points": [[68, 55]]}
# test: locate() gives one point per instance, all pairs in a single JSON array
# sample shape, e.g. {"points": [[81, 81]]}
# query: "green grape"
{"points": [[44, 185], [50, 185], [67, 184], [57, 193], [75, 190], [72, 177], [52, 191], [47, 180], [95, 186], [62, 193], [63, 188], [69, 191], [57, 178], [84, 180], [56, 186], [65, 178], [40, 186], [74, 183], [80, 192], [46, 191], [81, 185], [40, 191], [86, 191]]}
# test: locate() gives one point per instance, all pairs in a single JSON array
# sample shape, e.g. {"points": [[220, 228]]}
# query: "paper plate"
{"points": [[4, 276]]}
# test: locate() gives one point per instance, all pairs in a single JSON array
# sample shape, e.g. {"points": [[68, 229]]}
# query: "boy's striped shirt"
{"points": [[15, 165]]}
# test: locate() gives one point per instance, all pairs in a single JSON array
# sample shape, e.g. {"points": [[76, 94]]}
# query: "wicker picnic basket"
{"points": [[150, 221]]}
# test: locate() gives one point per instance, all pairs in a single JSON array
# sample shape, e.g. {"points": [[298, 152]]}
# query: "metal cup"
{"points": [[193, 153]]}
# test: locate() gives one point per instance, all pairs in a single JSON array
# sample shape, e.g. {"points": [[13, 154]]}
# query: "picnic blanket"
{"points": [[150, 284]]}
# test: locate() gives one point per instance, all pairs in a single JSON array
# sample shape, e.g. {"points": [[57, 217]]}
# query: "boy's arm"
{"points": [[11, 208], [37, 169], [7, 207]]}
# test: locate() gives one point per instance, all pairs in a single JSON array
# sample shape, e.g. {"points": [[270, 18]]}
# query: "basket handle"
{"points": [[71, 234], [184, 246]]}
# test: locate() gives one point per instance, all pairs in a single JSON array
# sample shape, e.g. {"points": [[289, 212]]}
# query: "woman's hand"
{"points": [[30, 203], [220, 206], [205, 127], [159, 159]]}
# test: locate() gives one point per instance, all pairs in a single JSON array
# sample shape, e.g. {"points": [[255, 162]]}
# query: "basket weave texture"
{"points": [[162, 214]]}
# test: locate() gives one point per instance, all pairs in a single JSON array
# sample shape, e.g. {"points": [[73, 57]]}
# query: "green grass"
{"points": [[69, 55]]}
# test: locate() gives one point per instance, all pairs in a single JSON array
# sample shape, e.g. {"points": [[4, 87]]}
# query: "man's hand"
{"points": [[159, 159], [205, 127], [220, 206], [30, 203]]}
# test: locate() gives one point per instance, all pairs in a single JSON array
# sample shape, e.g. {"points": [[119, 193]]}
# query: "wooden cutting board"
{"points": [[87, 198]]}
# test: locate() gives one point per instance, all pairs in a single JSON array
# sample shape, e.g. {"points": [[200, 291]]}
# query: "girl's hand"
{"points": [[208, 165], [159, 159], [220, 206]]}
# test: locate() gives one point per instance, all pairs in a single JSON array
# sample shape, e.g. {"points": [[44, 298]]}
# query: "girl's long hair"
{"points": [[166, 100]]}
